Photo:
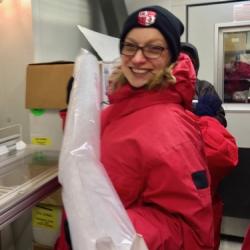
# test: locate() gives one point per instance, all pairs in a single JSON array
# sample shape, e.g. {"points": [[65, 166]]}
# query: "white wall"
{"points": [[38, 31], [136, 4], [16, 51], [203, 36], [55, 32], [56, 37], [178, 7]]}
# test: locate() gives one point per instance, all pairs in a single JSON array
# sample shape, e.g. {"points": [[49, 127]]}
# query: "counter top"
{"points": [[25, 178]]}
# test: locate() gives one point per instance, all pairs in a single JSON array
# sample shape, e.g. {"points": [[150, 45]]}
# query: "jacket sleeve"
{"points": [[220, 116], [220, 148]]}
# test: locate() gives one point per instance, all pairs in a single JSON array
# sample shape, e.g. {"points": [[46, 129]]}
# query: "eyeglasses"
{"points": [[150, 51]]}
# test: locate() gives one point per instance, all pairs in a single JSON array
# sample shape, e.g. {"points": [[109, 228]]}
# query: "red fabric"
{"points": [[220, 148], [63, 115], [246, 242], [61, 243], [150, 147], [217, 215], [222, 154], [237, 77]]}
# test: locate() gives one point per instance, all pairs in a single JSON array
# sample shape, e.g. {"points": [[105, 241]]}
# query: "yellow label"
{"points": [[45, 217], [43, 141]]}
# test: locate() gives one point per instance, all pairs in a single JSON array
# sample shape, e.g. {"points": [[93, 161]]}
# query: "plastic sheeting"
{"points": [[97, 218]]}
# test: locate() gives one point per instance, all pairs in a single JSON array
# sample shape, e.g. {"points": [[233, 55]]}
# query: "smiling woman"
{"points": [[141, 64], [151, 147]]}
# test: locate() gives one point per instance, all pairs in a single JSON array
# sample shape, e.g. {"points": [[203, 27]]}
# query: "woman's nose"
{"points": [[138, 57]]}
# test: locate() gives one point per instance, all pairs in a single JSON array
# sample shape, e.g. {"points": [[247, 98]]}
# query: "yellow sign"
{"points": [[42, 141], [45, 217]]}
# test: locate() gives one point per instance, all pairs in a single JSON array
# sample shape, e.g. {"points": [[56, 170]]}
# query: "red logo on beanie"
{"points": [[146, 17]]}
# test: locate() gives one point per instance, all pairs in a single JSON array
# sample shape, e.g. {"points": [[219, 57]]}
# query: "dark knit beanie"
{"points": [[192, 52], [163, 20]]}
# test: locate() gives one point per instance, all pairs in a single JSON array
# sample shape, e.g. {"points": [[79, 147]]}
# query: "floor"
{"points": [[229, 245], [237, 228]]}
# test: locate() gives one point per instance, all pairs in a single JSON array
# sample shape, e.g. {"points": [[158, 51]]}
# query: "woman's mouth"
{"points": [[139, 71]]}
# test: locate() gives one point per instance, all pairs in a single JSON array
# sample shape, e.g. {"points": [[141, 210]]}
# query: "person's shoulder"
{"points": [[204, 83], [204, 87]]}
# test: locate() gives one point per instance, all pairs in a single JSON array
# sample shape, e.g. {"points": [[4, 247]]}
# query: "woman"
{"points": [[151, 146]]}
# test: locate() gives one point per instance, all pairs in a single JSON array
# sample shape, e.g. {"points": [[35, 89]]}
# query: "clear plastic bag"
{"points": [[96, 216]]}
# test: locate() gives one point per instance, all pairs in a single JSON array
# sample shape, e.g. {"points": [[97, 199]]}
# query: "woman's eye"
{"points": [[155, 48]]}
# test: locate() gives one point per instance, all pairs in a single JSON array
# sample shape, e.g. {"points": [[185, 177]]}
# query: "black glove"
{"points": [[208, 105]]}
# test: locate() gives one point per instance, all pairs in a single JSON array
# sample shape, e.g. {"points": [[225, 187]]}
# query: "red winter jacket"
{"points": [[222, 156], [221, 152], [220, 148], [246, 242], [153, 152]]}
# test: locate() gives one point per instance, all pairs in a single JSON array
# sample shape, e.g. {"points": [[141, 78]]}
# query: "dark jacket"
{"points": [[202, 88]]}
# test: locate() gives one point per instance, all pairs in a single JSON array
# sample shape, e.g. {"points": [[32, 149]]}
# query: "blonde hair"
{"points": [[162, 79]]}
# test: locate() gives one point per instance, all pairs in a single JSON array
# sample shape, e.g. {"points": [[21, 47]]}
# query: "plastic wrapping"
{"points": [[97, 218]]}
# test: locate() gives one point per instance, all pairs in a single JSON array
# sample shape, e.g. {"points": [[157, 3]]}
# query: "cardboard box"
{"points": [[46, 85]]}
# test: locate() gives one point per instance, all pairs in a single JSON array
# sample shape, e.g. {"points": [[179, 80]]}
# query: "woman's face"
{"points": [[141, 66]]}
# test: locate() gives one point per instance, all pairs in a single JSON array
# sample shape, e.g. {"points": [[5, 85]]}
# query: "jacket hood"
{"points": [[185, 75], [192, 52]]}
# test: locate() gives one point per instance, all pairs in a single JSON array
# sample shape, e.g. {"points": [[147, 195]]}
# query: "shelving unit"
{"points": [[25, 178]]}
